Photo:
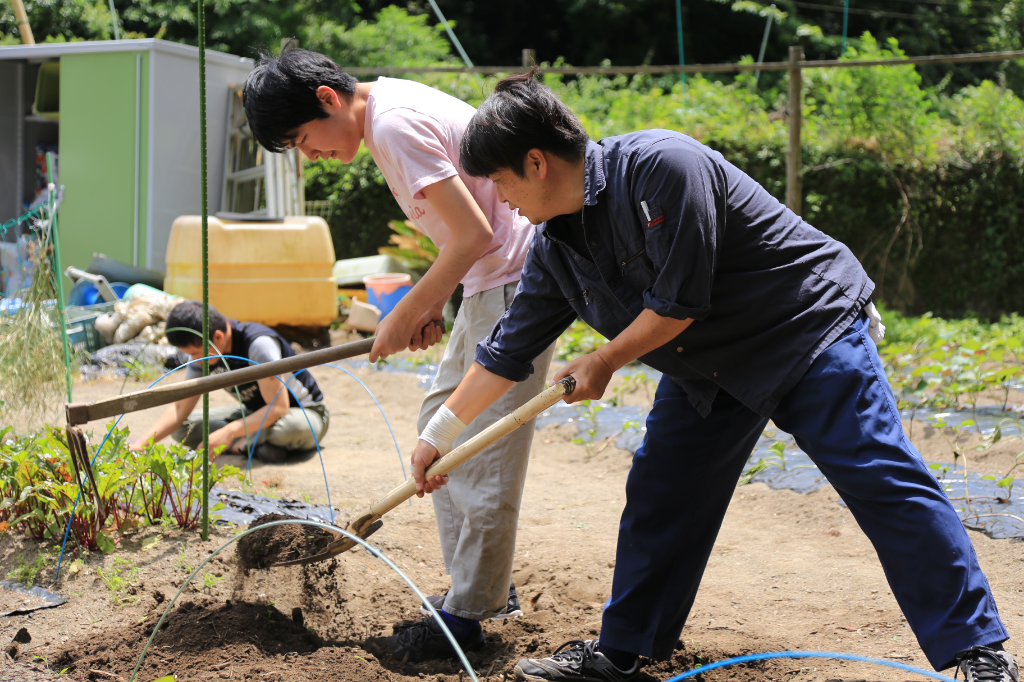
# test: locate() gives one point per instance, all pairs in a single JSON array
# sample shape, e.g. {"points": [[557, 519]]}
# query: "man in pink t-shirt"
{"points": [[302, 99]]}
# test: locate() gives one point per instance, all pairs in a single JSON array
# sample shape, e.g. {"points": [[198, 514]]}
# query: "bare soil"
{"points": [[789, 571]]}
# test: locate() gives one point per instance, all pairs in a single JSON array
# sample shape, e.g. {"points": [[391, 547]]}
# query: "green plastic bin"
{"points": [[82, 326]]}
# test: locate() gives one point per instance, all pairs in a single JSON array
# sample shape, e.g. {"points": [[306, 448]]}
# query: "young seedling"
{"points": [[120, 579], [209, 581]]}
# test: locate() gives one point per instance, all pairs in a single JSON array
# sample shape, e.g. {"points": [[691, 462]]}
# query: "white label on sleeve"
{"points": [[643, 205]]}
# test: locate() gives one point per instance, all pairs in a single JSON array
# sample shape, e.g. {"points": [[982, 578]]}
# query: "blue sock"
{"points": [[462, 628]]}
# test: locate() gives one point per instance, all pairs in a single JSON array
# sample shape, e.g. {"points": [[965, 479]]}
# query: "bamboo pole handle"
{"points": [[474, 445], [81, 413]]}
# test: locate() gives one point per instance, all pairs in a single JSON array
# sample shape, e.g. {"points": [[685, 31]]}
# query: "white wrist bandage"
{"points": [[442, 430], [876, 330]]}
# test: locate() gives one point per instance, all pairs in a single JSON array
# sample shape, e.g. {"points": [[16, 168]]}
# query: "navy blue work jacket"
{"points": [[674, 227]]}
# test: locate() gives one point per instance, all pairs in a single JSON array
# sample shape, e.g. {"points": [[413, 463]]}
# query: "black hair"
{"points": [[188, 315], [280, 94], [521, 114]]}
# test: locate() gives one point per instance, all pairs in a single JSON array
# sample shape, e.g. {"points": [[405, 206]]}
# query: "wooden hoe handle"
{"points": [[82, 413], [474, 445], [471, 447], [370, 522]]}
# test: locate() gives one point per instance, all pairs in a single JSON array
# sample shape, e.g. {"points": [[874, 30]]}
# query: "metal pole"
{"points": [[23, 26], [451, 34], [794, 184], [201, 20], [58, 273], [764, 41], [113, 21], [679, 37], [138, 153], [846, 16]]}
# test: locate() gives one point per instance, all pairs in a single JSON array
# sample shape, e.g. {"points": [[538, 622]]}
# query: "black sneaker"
{"points": [[982, 664], [511, 610], [578, 661], [421, 641]]}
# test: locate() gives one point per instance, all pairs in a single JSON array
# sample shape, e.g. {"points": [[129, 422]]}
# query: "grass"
{"points": [[28, 572], [121, 578]]}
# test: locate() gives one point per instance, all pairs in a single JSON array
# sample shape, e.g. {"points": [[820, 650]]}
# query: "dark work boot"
{"points": [[271, 454], [422, 641]]}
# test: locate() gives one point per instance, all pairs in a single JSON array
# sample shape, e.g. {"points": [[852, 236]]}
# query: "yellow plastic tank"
{"points": [[268, 272]]}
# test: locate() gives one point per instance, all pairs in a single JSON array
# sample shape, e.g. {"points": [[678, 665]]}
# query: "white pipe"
{"points": [[150, 162]]}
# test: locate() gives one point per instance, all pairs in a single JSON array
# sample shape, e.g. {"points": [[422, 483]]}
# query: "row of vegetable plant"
{"points": [[161, 485]]}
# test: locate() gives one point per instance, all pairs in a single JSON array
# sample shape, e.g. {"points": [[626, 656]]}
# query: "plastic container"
{"points": [[268, 272], [143, 290], [363, 317], [82, 332], [85, 293], [385, 291], [351, 271]]}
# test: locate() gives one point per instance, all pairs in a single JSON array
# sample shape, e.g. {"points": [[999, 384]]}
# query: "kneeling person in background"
{"points": [[285, 419]]}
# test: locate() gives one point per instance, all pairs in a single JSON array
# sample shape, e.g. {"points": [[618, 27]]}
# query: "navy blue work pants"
{"points": [[843, 415]]}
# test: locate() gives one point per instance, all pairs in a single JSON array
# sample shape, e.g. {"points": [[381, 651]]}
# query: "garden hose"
{"points": [[809, 654]]}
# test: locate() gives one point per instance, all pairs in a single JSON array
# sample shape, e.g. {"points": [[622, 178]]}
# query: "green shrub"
{"points": [[363, 203], [925, 188]]}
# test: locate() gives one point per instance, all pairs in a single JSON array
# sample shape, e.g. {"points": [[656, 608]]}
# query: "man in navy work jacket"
{"points": [[686, 263]]}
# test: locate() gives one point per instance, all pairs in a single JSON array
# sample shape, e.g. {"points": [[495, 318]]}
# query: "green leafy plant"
{"points": [[776, 458], [410, 246], [209, 581], [121, 489]]}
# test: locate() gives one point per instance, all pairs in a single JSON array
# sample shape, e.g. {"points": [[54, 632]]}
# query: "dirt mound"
{"points": [[204, 640], [279, 543]]}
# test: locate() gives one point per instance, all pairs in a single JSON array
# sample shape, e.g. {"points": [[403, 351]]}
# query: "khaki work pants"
{"points": [[291, 432], [478, 511]]}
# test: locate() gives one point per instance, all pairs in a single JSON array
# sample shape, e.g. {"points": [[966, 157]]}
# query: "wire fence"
{"points": [[974, 57]]}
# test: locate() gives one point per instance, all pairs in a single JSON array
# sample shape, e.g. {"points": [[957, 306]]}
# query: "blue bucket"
{"points": [[85, 293], [386, 290]]}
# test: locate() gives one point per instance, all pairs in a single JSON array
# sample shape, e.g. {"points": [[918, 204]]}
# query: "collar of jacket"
{"points": [[593, 173]]}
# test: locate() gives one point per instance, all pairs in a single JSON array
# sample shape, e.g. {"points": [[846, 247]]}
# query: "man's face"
{"points": [[534, 195], [218, 340], [335, 137]]}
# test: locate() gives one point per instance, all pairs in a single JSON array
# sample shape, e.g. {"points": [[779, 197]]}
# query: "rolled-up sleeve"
{"points": [[682, 229], [538, 315]]}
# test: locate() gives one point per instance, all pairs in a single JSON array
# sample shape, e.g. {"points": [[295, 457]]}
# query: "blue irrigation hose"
{"points": [[366, 388], [401, 462], [810, 654], [78, 497], [374, 551]]}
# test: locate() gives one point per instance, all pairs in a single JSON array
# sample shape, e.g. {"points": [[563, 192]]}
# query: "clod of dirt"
{"points": [[269, 546], [22, 636], [12, 650]]}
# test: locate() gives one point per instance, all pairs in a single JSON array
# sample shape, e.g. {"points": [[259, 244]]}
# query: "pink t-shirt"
{"points": [[413, 132]]}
